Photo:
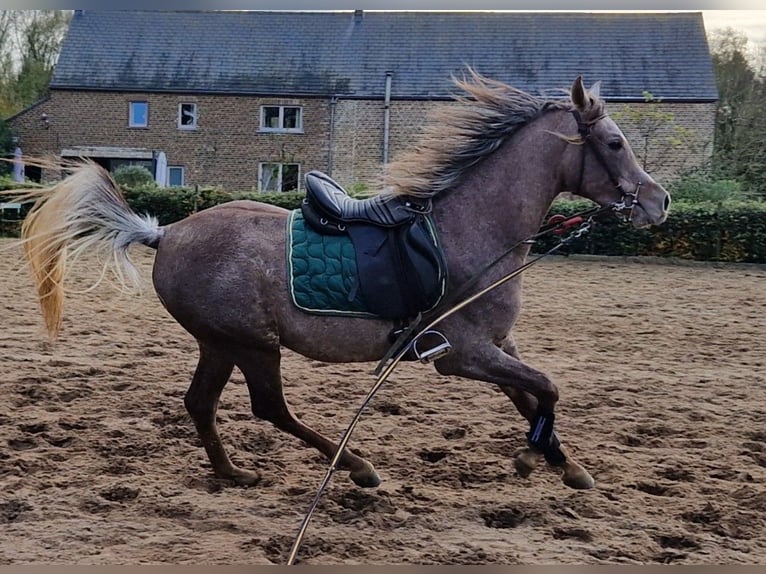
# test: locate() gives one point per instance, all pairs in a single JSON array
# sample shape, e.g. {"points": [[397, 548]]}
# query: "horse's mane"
{"points": [[460, 135]]}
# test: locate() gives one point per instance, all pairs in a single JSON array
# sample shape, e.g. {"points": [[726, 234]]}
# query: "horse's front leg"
{"points": [[527, 459], [534, 395]]}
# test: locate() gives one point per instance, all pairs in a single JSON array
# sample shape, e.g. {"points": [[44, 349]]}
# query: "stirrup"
{"points": [[435, 352]]}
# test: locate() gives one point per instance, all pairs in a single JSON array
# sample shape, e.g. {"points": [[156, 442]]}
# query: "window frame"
{"points": [[183, 175], [179, 124], [132, 123], [281, 130], [281, 165]]}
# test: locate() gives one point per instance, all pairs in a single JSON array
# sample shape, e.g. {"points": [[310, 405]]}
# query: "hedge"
{"points": [[171, 204], [731, 231], [708, 231], [10, 219]]}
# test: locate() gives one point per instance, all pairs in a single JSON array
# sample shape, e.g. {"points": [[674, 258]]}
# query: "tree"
{"points": [[8, 24], [655, 136], [734, 80], [6, 147], [740, 142], [30, 41]]}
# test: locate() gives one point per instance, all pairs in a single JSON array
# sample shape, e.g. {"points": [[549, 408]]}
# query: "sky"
{"points": [[750, 22]]}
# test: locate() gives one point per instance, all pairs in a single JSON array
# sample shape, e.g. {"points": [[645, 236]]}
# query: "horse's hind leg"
{"points": [[264, 381], [526, 459], [201, 400]]}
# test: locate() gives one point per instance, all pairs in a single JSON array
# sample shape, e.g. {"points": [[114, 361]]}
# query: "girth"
{"points": [[401, 267]]}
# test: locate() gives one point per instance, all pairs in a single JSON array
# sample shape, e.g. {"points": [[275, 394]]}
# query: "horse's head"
{"points": [[607, 171]]}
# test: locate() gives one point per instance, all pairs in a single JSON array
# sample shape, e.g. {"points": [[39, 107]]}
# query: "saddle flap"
{"points": [[402, 270]]}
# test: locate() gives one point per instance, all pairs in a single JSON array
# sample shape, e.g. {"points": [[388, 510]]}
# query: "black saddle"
{"points": [[337, 207], [401, 267]]}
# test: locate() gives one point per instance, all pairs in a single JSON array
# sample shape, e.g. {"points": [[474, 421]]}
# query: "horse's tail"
{"points": [[83, 211]]}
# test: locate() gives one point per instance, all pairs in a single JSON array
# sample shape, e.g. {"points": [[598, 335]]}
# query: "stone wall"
{"points": [[664, 150], [226, 148], [681, 137]]}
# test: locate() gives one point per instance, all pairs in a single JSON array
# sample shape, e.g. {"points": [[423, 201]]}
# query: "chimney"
{"points": [[358, 16]]}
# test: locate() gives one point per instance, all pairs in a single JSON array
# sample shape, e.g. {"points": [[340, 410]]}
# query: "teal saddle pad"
{"points": [[321, 271]]}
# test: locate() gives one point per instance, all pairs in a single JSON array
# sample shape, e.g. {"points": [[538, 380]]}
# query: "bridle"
{"points": [[629, 199]]}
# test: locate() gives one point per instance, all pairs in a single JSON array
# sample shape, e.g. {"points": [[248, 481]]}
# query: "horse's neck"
{"points": [[503, 200]]}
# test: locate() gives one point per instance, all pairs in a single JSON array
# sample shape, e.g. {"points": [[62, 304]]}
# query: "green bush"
{"points": [[7, 183], [733, 231], [128, 176], [6, 147], [287, 200], [703, 186], [725, 231], [711, 230], [166, 204], [10, 220], [171, 204]]}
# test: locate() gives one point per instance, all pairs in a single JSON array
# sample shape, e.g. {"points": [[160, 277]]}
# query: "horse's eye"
{"points": [[615, 145]]}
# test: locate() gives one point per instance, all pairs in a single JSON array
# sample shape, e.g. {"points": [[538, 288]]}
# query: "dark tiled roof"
{"points": [[322, 53]]}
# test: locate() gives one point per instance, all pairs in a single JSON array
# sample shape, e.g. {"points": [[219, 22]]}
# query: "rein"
{"points": [[406, 340], [408, 337], [556, 225]]}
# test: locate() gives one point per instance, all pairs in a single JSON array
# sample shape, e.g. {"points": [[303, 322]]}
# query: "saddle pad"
{"points": [[321, 271]]}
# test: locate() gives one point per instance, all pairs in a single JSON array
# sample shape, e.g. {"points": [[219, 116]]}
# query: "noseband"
{"points": [[628, 200]]}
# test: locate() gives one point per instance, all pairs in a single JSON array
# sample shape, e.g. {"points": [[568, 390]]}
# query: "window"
{"points": [[281, 119], [175, 176], [138, 116], [278, 177], [187, 116]]}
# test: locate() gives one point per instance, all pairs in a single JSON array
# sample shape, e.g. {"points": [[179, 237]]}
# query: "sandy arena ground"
{"points": [[663, 398]]}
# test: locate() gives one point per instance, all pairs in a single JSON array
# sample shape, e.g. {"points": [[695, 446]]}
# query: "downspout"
{"points": [[386, 117], [331, 144]]}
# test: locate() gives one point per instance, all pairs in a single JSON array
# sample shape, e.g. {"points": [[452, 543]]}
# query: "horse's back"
{"points": [[231, 223], [248, 206]]}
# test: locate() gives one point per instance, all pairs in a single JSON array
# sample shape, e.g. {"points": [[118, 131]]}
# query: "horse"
{"points": [[489, 164]]}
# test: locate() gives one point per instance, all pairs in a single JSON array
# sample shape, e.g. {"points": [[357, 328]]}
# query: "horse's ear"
{"points": [[578, 94], [595, 90]]}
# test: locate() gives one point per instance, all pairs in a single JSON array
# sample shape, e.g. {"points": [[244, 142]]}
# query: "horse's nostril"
{"points": [[667, 201]]}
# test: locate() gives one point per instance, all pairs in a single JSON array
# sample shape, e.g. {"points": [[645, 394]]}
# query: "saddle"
{"points": [[400, 264]]}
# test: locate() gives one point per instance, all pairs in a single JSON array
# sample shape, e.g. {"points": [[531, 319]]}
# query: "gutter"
{"points": [[386, 116], [331, 143], [432, 97]]}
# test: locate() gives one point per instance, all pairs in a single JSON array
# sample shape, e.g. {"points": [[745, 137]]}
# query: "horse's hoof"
{"points": [[366, 478], [245, 477], [525, 462], [578, 478]]}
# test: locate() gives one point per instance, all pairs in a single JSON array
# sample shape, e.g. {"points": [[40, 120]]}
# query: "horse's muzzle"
{"points": [[651, 208]]}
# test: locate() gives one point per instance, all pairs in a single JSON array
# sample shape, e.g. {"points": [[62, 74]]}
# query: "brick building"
{"points": [[253, 100]]}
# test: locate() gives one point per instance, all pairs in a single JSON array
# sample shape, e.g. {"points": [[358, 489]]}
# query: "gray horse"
{"points": [[492, 162]]}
